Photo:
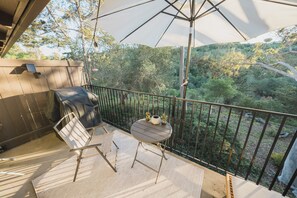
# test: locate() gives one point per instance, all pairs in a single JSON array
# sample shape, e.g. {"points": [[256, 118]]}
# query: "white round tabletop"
{"points": [[145, 131]]}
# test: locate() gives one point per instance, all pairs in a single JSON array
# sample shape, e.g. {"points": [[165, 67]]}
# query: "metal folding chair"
{"points": [[78, 139]]}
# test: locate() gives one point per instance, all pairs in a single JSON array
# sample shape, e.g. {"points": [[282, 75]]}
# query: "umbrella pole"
{"points": [[185, 83], [182, 71]]}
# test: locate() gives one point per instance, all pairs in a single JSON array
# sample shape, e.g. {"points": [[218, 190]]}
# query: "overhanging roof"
{"points": [[15, 17]]}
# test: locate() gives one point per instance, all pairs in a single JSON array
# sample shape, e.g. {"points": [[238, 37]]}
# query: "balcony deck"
{"points": [[47, 162]]}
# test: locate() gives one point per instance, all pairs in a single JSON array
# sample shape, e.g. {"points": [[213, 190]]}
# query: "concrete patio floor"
{"points": [[40, 159]]}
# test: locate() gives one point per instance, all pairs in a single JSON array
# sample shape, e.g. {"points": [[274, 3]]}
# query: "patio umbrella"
{"points": [[192, 23]]}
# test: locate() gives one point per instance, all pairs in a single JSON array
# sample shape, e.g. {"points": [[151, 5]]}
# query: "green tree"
{"points": [[16, 52], [281, 60], [139, 68], [220, 90], [231, 63]]}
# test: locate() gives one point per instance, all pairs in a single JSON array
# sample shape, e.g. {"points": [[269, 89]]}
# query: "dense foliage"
{"points": [[218, 73]]}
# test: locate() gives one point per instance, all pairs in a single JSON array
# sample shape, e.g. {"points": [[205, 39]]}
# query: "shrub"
{"points": [[277, 158], [272, 131]]}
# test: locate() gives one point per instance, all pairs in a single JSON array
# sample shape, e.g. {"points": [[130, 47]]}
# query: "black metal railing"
{"points": [[239, 140]]}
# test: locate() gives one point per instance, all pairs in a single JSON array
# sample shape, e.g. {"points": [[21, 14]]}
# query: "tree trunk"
{"points": [[83, 43]]}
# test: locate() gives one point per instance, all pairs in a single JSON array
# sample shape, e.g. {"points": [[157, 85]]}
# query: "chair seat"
{"points": [[105, 139]]}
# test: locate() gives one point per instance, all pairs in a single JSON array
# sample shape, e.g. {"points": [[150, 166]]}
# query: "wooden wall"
{"points": [[23, 98]]}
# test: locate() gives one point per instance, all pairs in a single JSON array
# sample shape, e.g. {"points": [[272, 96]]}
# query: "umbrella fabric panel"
{"points": [[257, 17], [123, 23], [156, 23]]}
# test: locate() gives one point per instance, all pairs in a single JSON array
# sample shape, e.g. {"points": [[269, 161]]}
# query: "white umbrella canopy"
{"points": [[159, 23], [192, 23]]}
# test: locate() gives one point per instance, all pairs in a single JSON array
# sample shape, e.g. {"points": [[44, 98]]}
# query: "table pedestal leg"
{"points": [[162, 156], [162, 150]]}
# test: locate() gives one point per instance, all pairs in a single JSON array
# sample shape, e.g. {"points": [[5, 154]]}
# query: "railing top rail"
{"points": [[138, 92], [209, 103], [238, 107]]}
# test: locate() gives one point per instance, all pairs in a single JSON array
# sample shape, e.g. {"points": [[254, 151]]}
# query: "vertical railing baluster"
{"points": [[257, 147], [177, 122], [198, 130], [169, 109], [130, 109], [233, 141], [114, 117], [183, 118], [158, 105], [124, 100], [153, 104], [225, 133], [206, 131], [103, 106], [118, 106], [214, 135], [173, 122], [191, 128], [111, 106], [245, 143], [163, 109], [143, 111], [272, 147], [148, 104], [114, 107], [107, 104], [127, 107], [138, 112], [100, 102], [134, 107]]}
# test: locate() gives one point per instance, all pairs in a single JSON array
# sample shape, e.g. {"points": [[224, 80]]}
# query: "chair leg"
{"points": [[116, 156], [115, 145], [77, 165], [139, 143], [104, 157]]}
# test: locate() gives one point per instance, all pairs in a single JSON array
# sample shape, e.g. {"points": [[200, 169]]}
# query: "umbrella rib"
{"points": [[145, 23], [214, 6], [127, 8], [173, 6], [175, 16], [283, 3], [200, 8], [207, 11], [205, 14]]}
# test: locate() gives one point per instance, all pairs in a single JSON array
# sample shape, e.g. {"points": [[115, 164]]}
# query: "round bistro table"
{"points": [[146, 132]]}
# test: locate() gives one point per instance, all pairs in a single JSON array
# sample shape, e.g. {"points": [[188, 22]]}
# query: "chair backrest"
{"points": [[73, 133]]}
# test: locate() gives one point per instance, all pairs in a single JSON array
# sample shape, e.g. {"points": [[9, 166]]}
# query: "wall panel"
{"points": [[23, 97]]}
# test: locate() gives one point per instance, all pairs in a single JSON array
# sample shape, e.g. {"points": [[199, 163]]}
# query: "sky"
{"points": [[260, 39]]}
